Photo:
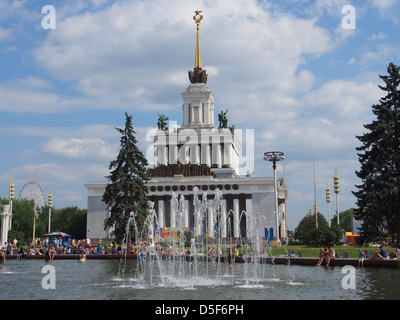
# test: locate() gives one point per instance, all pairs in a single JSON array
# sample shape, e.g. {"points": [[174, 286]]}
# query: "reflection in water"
{"points": [[102, 279]]}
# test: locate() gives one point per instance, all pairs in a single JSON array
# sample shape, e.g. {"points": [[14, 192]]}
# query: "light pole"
{"points": [[50, 206], [274, 157], [336, 189], [11, 198], [34, 211], [328, 201]]}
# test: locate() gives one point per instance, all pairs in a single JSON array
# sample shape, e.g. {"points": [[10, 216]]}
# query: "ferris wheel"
{"points": [[28, 192]]}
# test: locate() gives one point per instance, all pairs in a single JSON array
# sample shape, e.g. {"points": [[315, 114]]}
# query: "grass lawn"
{"points": [[311, 252]]}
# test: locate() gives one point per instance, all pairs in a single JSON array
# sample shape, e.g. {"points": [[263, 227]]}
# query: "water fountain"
{"points": [[167, 262]]}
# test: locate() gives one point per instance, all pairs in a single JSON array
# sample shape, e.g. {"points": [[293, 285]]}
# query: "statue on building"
{"points": [[198, 76], [162, 122], [223, 119]]}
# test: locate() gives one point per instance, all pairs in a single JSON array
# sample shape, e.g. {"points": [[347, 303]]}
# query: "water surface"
{"points": [[161, 280]]}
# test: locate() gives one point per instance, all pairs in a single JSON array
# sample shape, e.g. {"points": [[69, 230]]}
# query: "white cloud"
{"points": [[343, 100], [5, 34], [80, 148], [132, 51]]}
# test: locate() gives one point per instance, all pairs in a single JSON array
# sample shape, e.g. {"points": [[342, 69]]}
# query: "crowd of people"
{"points": [[50, 247], [328, 253]]}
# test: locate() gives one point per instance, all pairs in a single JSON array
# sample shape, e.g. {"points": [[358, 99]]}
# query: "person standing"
{"points": [[9, 248]]}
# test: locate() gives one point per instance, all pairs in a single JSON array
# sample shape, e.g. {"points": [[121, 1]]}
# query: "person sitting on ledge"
{"points": [[361, 258], [2, 257], [382, 252], [323, 254], [331, 255]]}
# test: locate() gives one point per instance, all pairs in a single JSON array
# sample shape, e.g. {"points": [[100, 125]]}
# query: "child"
{"points": [[361, 258]]}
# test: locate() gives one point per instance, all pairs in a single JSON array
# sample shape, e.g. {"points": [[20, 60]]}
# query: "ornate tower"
{"points": [[198, 141], [198, 101]]}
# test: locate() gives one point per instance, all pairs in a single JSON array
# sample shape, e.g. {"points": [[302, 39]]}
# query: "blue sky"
{"points": [[286, 69]]}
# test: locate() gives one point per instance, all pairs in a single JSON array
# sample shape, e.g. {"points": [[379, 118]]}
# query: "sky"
{"points": [[302, 74]]}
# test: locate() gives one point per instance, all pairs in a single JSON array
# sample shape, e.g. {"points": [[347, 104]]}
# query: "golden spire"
{"points": [[198, 75], [197, 18]]}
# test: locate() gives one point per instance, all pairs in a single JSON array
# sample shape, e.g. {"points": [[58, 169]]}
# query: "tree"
{"points": [[22, 219], [378, 196], [307, 232], [71, 220], [127, 190], [345, 222]]}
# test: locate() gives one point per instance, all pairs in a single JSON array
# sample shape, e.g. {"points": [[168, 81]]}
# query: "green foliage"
{"points": [[71, 220], [127, 190], [378, 195], [188, 236], [345, 220], [306, 231]]}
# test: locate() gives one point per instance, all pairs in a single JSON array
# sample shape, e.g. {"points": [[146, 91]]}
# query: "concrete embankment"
{"points": [[379, 263]]}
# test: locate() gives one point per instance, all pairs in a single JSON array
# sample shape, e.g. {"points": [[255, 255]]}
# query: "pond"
{"points": [[162, 280]]}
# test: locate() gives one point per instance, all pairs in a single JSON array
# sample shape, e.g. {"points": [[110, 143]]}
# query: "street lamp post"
{"points": [[328, 201], [274, 157], [50, 206], [11, 198], [336, 190]]}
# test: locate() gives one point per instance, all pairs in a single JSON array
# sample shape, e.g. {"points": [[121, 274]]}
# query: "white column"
{"points": [[216, 154], [195, 154], [282, 216], [197, 221], [205, 154], [228, 154], [183, 154], [249, 209], [186, 114], [4, 223], [206, 113], [162, 159], [161, 211], [236, 218], [186, 217], [173, 154], [210, 230], [156, 153], [223, 221], [172, 218]]}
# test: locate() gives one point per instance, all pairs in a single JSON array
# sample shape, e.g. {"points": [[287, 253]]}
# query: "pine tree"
{"points": [[378, 197], [127, 190]]}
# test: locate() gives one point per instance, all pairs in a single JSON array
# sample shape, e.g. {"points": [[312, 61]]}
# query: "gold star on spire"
{"points": [[197, 18]]}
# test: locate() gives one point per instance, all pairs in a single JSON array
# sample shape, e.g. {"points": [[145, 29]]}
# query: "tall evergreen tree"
{"points": [[378, 196], [127, 190]]}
